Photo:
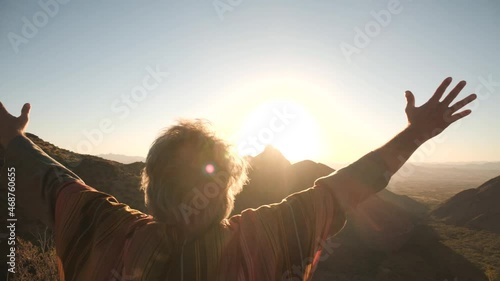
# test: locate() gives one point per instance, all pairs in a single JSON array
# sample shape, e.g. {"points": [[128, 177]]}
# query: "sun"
{"points": [[284, 124], [304, 118]]}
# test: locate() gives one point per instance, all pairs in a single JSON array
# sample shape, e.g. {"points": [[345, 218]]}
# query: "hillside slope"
{"points": [[476, 208]]}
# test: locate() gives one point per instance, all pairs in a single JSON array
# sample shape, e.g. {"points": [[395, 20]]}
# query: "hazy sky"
{"points": [[323, 80]]}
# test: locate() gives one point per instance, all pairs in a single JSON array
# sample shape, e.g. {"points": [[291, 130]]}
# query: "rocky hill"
{"points": [[272, 178], [477, 208]]}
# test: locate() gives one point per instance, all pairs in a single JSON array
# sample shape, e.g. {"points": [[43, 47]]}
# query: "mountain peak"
{"points": [[271, 156]]}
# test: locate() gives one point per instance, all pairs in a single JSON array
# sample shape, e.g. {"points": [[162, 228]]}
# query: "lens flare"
{"points": [[209, 168]]}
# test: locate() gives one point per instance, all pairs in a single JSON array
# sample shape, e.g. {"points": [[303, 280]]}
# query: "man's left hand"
{"points": [[11, 126]]}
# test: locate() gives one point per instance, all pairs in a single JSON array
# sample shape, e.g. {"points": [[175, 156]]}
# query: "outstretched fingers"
{"points": [[460, 104], [454, 93], [440, 90], [25, 111], [459, 115]]}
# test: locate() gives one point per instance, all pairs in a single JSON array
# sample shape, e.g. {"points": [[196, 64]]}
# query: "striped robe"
{"points": [[100, 239]]}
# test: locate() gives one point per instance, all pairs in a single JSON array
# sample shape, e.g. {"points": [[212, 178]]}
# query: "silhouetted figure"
{"points": [[190, 181]]}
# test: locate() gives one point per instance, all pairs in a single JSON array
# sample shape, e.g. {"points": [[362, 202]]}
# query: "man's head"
{"points": [[192, 176]]}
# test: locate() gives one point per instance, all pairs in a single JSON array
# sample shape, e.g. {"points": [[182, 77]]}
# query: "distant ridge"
{"points": [[124, 159]]}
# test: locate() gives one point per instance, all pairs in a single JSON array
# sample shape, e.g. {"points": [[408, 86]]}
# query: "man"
{"points": [[190, 180]]}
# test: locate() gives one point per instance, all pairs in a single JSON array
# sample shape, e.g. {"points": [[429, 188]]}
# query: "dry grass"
{"points": [[35, 263]]}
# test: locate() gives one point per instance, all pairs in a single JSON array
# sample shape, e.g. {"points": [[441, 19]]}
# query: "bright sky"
{"points": [[322, 80]]}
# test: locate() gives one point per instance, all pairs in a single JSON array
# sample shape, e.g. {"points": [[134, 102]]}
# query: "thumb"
{"points": [[25, 111], [410, 100]]}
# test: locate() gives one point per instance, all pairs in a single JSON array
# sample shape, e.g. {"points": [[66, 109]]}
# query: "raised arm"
{"points": [[38, 177], [424, 123], [370, 174], [83, 219]]}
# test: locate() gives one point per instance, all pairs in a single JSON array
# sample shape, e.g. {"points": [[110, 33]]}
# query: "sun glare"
{"points": [[283, 124], [305, 119]]}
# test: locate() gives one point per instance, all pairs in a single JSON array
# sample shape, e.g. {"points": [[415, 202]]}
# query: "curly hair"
{"points": [[192, 176]]}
